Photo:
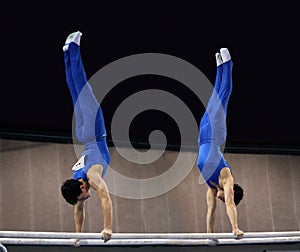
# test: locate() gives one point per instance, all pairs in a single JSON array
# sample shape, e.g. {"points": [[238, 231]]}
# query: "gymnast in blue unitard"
{"points": [[214, 169], [90, 131]]}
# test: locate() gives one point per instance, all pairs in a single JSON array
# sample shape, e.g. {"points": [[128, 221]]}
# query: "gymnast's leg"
{"points": [[214, 95], [74, 94], [225, 88], [205, 131], [209, 156], [218, 112], [90, 120]]}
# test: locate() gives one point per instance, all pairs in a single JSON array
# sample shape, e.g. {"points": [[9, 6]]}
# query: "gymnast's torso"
{"points": [[94, 153]]}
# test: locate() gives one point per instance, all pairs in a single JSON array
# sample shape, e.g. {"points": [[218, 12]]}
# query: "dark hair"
{"points": [[238, 194], [70, 190]]}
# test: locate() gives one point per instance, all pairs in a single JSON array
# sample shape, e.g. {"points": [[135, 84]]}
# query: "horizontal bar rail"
{"points": [[130, 242], [30, 234], [129, 239]]}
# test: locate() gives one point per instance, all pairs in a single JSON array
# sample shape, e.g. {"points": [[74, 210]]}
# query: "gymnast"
{"points": [[213, 167], [90, 131]]}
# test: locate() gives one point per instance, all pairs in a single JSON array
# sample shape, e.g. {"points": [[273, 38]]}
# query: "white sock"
{"points": [[225, 54], [73, 37], [218, 59], [65, 47]]}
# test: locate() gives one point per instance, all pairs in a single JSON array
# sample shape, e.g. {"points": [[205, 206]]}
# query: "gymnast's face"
{"points": [[84, 196], [220, 195], [85, 193]]}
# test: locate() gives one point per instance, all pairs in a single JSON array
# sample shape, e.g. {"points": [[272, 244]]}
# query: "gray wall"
{"points": [[31, 174]]}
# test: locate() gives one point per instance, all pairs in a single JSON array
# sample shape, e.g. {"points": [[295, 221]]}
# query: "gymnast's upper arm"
{"points": [[227, 181], [94, 178]]}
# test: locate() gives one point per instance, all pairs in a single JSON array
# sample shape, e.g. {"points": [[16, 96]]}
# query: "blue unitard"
{"points": [[90, 127], [212, 130]]}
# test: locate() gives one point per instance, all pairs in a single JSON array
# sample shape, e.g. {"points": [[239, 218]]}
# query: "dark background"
{"points": [[263, 41]]}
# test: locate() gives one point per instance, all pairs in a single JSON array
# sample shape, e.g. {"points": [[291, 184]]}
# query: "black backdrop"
{"points": [[263, 41]]}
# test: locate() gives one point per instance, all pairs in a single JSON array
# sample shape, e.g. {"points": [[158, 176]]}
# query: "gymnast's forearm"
{"points": [[79, 216], [106, 207], [232, 215], [211, 210], [210, 221]]}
